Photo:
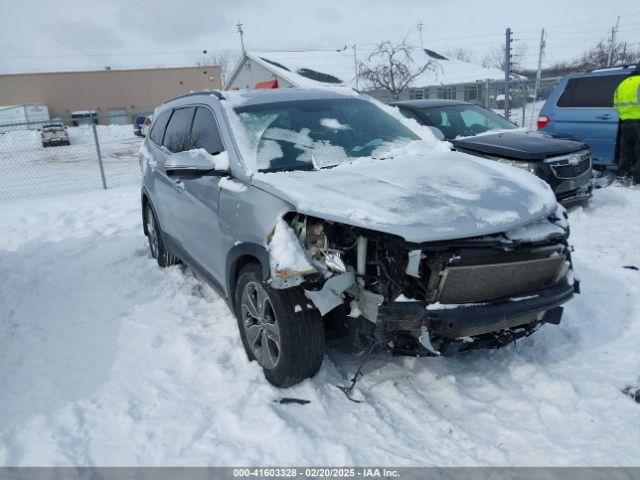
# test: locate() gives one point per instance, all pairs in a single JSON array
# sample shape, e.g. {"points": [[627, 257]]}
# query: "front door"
{"points": [[200, 233]]}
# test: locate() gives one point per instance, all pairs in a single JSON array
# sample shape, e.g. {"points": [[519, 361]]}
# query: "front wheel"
{"points": [[278, 329]]}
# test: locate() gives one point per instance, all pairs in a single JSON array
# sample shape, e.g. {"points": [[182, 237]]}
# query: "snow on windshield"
{"points": [[315, 134], [333, 124]]}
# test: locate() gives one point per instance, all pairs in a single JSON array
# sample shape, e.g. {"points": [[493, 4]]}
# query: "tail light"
{"points": [[543, 121]]}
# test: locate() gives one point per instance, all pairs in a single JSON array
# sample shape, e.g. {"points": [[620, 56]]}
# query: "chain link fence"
{"points": [[95, 155]]}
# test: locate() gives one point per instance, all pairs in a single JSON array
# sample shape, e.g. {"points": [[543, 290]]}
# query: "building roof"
{"points": [[321, 68]]}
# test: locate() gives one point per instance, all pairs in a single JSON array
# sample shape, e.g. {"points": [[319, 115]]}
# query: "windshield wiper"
{"points": [[289, 168]]}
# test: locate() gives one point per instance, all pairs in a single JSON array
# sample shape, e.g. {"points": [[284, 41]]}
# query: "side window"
{"points": [[411, 114], [472, 117], [157, 132], [176, 138], [590, 92], [205, 133]]}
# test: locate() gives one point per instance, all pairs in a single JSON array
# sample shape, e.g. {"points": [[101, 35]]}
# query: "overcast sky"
{"points": [[39, 35]]}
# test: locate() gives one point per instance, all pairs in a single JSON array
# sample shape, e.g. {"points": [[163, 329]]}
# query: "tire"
{"points": [[293, 334], [156, 244]]}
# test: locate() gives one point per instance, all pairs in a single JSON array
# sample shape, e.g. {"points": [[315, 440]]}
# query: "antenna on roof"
{"points": [[241, 32], [420, 32]]}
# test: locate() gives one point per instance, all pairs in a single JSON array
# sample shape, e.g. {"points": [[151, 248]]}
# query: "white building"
{"points": [[450, 78]]}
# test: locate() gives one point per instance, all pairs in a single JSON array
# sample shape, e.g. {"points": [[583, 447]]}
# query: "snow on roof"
{"points": [[319, 68]]}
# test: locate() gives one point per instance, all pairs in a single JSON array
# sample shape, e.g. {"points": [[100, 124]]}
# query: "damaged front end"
{"points": [[434, 298]]}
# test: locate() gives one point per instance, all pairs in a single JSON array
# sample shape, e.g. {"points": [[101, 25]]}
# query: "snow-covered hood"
{"points": [[419, 196]]}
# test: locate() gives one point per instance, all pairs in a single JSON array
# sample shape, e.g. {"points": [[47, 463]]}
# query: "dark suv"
{"points": [[563, 162]]}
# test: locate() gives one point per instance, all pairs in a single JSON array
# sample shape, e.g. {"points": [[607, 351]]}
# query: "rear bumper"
{"points": [[461, 321], [57, 141]]}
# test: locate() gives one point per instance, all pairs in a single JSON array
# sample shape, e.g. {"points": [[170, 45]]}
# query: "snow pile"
{"points": [[108, 360], [286, 256], [232, 185], [431, 194], [219, 161]]}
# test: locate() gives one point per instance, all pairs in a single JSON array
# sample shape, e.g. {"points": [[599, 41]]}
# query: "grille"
{"points": [[565, 168], [478, 283]]}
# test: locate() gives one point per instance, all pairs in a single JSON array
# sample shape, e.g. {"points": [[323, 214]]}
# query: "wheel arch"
{"points": [[239, 256]]}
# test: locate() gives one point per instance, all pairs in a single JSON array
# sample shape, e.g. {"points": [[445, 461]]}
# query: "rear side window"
{"points": [[176, 138], [205, 133], [157, 132], [411, 114], [590, 92]]}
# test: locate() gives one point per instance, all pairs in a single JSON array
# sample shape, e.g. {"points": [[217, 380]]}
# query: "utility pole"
{"points": [[355, 64], [420, 33], [507, 71], [241, 32], [612, 41], [538, 75]]}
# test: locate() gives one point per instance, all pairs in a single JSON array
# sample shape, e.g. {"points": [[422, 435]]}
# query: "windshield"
{"points": [[465, 120], [313, 134]]}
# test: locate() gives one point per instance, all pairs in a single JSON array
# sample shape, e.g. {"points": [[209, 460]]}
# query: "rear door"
{"points": [[585, 110], [200, 234]]}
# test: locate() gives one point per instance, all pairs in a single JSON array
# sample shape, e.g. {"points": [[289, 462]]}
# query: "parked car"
{"points": [[564, 163], [323, 214], [137, 125], [144, 130], [141, 125], [84, 117], [582, 106], [52, 134]]}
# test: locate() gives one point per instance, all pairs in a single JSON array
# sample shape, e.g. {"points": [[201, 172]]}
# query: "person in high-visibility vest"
{"points": [[626, 100]]}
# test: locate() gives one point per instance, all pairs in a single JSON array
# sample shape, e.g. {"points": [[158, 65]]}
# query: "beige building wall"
{"points": [[136, 91]]}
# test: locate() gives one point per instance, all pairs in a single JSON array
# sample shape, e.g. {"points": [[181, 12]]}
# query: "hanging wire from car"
{"points": [[348, 390]]}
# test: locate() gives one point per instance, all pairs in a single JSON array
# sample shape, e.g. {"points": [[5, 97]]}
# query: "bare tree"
{"points": [[495, 58], [391, 67], [462, 54], [598, 55]]}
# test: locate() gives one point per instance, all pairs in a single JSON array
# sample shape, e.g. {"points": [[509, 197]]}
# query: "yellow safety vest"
{"points": [[626, 100]]}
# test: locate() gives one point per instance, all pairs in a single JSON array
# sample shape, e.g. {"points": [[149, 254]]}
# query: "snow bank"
{"points": [[108, 360]]}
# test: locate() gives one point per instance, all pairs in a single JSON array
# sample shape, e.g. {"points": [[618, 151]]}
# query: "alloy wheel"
{"points": [[260, 325], [152, 233]]}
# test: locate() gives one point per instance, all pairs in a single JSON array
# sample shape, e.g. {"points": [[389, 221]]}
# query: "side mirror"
{"points": [[197, 163], [436, 133]]}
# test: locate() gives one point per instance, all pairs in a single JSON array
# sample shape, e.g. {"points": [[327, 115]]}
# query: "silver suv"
{"points": [[323, 214]]}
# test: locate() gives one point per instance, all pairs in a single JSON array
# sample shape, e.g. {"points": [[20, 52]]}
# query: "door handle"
{"points": [[179, 184], [605, 116]]}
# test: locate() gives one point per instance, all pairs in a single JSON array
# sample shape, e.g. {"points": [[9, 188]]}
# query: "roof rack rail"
{"points": [[612, 67], [215, 93]]}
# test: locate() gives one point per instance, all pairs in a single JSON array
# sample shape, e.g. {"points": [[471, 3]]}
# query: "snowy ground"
{"points": [[29, 170], [105, 359]]}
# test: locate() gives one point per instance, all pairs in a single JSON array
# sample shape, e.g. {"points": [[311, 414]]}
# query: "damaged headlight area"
{"points": [[432, 298]]}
